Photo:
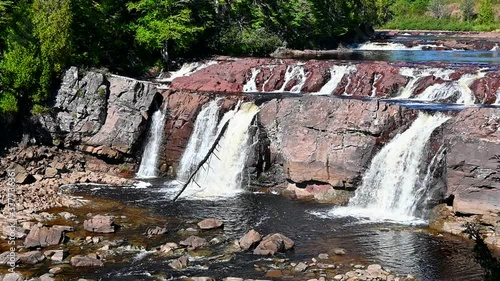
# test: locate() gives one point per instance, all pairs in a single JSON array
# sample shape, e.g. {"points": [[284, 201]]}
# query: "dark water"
{"points": [[403, 249]]}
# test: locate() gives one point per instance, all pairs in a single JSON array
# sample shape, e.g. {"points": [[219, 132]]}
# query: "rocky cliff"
{"points": [[100, 114]]}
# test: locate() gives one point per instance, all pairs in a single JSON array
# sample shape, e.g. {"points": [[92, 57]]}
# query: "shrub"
{"points": [[467, 8], [247, 41], [485, 15]]}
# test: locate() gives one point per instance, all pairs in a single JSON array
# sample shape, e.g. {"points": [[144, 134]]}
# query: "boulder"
{"points": [[249, 240], [194, 242], [180, 263], [21, 175], [43, 237], [210, 223], [150, 232], [85, 261], [100, 224], [274, 243], [13, 277]]}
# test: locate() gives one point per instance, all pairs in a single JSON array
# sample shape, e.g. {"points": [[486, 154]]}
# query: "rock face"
{"points": [[99, 114], [365, 79], [473, 158], [100, 224], [328, 141]]}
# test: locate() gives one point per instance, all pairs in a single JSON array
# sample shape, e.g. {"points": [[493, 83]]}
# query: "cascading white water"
{"points": [[497, 101], [375, 46], [222, 174], [415, 74], [337, 72], [149, 160], [187, 69], [202, 137], [251, 85], [294, 72], [392, 183], [451, 89]]}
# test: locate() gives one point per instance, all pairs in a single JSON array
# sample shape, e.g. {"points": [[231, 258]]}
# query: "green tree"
{"points": [[485, 14], [467, 8], [164, 25]]}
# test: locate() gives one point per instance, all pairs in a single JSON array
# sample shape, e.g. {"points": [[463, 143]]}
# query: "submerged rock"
{"points": [[85, 261], [210, 223], [180, 263], [194, 242]]}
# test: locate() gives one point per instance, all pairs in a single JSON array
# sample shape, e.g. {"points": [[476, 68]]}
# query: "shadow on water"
{"points": [[482, 253], [403, 249]]}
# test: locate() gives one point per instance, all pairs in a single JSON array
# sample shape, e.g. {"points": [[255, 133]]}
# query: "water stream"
{"points": [[149, 161]]}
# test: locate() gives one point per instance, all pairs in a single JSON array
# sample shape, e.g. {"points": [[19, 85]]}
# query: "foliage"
{"points": [[467, 8], [438, 9], [255, 42], [485, 14]]}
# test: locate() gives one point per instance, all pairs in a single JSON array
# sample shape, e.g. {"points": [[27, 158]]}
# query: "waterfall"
{"points": [[375, 46], [149, 160], [337, 72], [187, 69], [394, 181], [251, 85], [452, 91], [416, 74], [294, 72], [222, 175], [202, 137]]}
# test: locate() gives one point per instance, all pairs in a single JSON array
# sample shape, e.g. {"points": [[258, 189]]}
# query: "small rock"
{"points": [[249, 240], [13, 277], [150, 232], [47, 277], [339, 251], [274, 273], [58, 256], [301, 267], [194, 242], [180, 263], [338, 277], [210, 223], [201, 279], [323, 256], [32, 257], [273, 243], [66, 215], [85, 261], [55, 270], [233, 279], [100, 224], [51, 172]]}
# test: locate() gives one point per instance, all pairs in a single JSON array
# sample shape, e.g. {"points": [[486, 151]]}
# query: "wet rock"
{"points": [[210, 223], [43, 237], [169, 248], [339, 251], [201, 279], [274, 273], [273, 243], [58, 255], [100, 224], [55, 270], [67, 215], [180, 263], [249, 240], [194, 242], [85, 261], [32, 257], [150, 232], [300, 267], [323, 256]]}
